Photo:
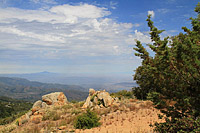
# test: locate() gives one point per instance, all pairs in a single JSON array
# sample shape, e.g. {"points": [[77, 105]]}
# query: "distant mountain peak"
{"points": [[45, 72]]}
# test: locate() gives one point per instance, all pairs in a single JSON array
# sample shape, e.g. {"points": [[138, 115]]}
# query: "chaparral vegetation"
{"points": [[171, 78]]}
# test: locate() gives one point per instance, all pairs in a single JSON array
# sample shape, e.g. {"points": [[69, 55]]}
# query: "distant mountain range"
{"points": [[110, 83], [24, 89]]}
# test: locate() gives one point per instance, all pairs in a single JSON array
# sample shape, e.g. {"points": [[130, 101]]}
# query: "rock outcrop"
{"points": [[55, 98], [98, 99], [38, 108]]}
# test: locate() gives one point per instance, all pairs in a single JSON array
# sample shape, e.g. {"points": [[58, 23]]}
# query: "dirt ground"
{"points": [[130, 116], [136, 121]]}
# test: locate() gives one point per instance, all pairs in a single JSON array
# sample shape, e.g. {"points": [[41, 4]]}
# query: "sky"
{"points": [[83, 36]]}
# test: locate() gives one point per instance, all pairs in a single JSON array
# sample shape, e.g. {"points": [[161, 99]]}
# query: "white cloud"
{"points": [[142, 37], [42, 37], [151, 13], [136, 25], [57, 14], [113, 4], [66, 31], [43, 1], [81, 11], [164, 10]]}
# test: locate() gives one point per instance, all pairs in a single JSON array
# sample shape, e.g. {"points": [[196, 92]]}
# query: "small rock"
{"points": [[36, 119], [97, 107], [91, 91], [117, 99], [44, 105], [95, 100], [101, 106], [87, 102], [62, 127], [36, 113]]}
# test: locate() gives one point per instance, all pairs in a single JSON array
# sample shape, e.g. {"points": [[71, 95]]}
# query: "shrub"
{"points": [[123, 93], [51, 115], [182, 125], [75, 111], [68, 106], [172, 76], [87, 120], [81, 103]]}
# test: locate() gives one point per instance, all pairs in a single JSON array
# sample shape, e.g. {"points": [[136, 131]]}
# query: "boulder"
{"points": [[55, 98], [98, 98], [36, 106], [39, 108], [105, 96], [23, 119], [87, 103]]}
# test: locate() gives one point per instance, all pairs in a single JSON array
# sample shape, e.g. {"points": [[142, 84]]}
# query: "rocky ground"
{"points": [[55, 114]]}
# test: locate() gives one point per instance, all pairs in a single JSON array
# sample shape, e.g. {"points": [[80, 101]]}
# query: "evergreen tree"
{"points": [[171, 78]]}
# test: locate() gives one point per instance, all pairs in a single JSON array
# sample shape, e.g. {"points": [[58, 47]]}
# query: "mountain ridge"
{"points": [[23, 89]]}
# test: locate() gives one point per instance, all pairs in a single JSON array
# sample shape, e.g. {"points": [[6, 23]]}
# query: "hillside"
{"points": [[125, 115], [10, 109], [111, 82], [19, 88]]}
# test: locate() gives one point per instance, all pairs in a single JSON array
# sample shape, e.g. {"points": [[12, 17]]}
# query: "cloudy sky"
{"points": [[82, 36]]}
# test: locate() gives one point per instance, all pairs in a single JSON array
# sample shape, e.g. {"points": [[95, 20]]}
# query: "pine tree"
{"points": [[171, 78]]}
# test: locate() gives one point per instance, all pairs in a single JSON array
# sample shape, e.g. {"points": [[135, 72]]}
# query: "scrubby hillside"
{"points": [[55, 114], [19, 88], [10, 109]]}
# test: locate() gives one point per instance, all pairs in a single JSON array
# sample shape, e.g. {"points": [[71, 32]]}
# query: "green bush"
{"points": [[51, 115], [140, 93], [154, 97], [10, 109], [87, 120], [123, 93], [182, 125], [76, 111], [170, 78]]}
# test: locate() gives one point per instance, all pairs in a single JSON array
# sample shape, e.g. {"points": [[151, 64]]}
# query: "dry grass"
{"points": [[8, 128], [131, 116]]}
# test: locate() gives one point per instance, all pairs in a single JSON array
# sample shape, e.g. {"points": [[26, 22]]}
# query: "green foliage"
{"points": [[181, 125], [87, 120], [123, 93], [171, 79], [81, 103], [76, 111], [154, 97], [10, 109], [51, 115], [140, 93]]}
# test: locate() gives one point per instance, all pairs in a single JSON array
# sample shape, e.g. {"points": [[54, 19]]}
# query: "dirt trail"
{"points": [[126, 122]]}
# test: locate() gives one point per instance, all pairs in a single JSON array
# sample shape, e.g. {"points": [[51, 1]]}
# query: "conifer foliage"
{"points": [[171, 78]]}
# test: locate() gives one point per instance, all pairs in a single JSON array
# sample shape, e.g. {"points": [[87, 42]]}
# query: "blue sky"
{"points": [[82, 37]]}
